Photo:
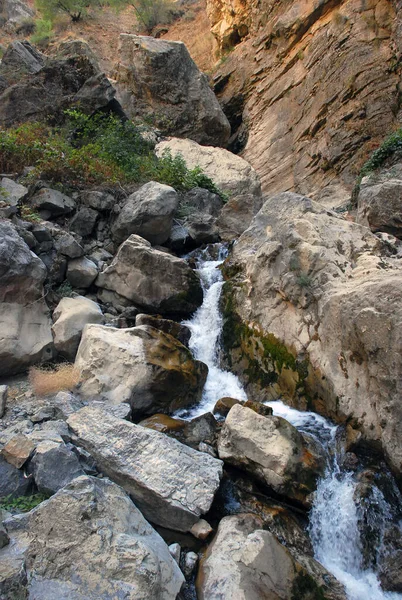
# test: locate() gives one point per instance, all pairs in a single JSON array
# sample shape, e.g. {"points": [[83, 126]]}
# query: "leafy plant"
{"points": [[304, 281], [29, 214], [64, 290], [43, 33], [22, 503]]}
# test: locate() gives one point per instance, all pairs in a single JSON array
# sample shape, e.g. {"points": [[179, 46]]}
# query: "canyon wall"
{"points": [[310, 87]]}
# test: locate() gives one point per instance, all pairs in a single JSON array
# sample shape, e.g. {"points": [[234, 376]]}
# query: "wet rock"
{"points": [[89, 540], [152, 279], [13, 482], [159, 77], [81, 272], [177, 330], [390, 561], [259, 408], [223, 405], [70, 317], [147, 213], [18, 450], [173, 485], [272, 450], [247, 563], [84, 221], [201, 429], [165, 424], [54, 466], [52, 201], [148, 369]]}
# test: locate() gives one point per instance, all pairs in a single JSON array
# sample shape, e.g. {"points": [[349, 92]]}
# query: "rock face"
{"points": [[173, 485], [312, 313], [37, 87], [272, 450], [230, 173], [147, 213], [24, 319], [143, 366], [247, 563], [314, 84], [159, 78], [152, 279], [380, 201], [90, 541], [70, 317]]}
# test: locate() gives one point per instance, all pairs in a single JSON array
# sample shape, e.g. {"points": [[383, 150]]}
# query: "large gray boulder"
{"points": [[13, 482], [54, 466], [380, 202], [89, 541], [70, 317], [272, 450], [147, 213], [53, 202], [81, 272], [154, 280], [159, 78], [246, 562], [172, 484], [10, 193], [143, 366]]}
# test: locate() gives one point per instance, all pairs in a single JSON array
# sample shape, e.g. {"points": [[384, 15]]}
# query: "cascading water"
{"points": [[334, 518]]}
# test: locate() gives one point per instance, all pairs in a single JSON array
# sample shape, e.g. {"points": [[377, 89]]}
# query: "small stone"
{"points": [[46, 413], [18, 450], [65, 404], [175, 552], [190, 562], [201, 530]]}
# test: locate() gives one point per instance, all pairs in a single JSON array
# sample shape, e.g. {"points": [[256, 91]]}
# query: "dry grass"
{"points": [[46, 381]]}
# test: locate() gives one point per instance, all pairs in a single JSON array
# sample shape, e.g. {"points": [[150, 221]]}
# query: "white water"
{"points": [[205, 327], [334, 517]]}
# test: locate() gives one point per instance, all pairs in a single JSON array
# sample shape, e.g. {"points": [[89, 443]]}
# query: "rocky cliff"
{"points": [[309, 87]]}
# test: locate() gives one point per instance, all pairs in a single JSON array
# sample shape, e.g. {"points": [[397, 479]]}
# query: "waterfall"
{"points": [[334, 518]]}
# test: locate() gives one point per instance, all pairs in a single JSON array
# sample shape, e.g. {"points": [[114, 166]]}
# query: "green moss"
{"points": [[306, 588]]}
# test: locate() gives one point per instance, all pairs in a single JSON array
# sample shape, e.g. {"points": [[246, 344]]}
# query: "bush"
{"points": [[50, 381], [43, 33], [22, 503]]}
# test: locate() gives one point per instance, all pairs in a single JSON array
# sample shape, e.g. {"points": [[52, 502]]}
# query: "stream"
{"points": [[335, 515]]}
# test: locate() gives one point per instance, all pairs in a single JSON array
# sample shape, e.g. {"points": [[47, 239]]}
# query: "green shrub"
{"points": [[22, 503], [43, 34]]}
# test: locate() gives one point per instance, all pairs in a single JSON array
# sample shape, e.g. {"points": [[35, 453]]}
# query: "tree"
{"points": [[74, 8]]}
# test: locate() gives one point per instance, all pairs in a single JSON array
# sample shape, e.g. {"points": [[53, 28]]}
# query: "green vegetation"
{"points": [[22, 503], [42, 34], [154, 12], [94, 150], [29, 214], [75, 9]]}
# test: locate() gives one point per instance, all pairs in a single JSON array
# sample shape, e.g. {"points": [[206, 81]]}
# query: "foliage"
{"points": [[43, 34], [22, 503], [28, 214], [150, 12], [94, 150], [75, 9], [64, 290], [304, 280]]}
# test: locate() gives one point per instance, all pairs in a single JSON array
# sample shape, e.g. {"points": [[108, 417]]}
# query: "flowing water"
{"points": [[334, 518]]}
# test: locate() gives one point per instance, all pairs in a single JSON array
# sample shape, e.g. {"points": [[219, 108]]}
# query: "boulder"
{"points": [[311, 314], [18, 450], [172, 485], [54, 466], [159, 78], [90, 541], [147, 213], [247, 563], [21, 58], [13, 482], [230, 173], [152, 279], [3, 399], [177, 330], [202, 229], [273, 451], [81, 272], [67, 245], [53, 202], [101, 201], [379, 203], [70, 317], [84, 221], [11, 192], [143, 366], [202, 201]]}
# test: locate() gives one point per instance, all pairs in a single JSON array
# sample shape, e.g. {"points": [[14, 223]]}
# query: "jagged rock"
{"points": [[70, 317], [148, 213], [272, 450], [11, 192], [230, 173], [77, 47], [45, 413], [54, 466], [13, 482], [380, 203], [173, 485], [189, 564], [18, 450], [4, 539], [202, 229], [89, 540], [52, 201], [247, 563], [67, 245], [201, 530], [152, 279], [175, 552], [64, 404], [202, 201], [84, 221], [150, 370], [81, 272], [3, 399], [97, 200], [322, 318], [21, 58], [159, 78], [177, 330]]}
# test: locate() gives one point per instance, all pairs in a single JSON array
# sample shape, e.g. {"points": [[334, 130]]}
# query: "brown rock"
{"points": [[18, 450]]}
